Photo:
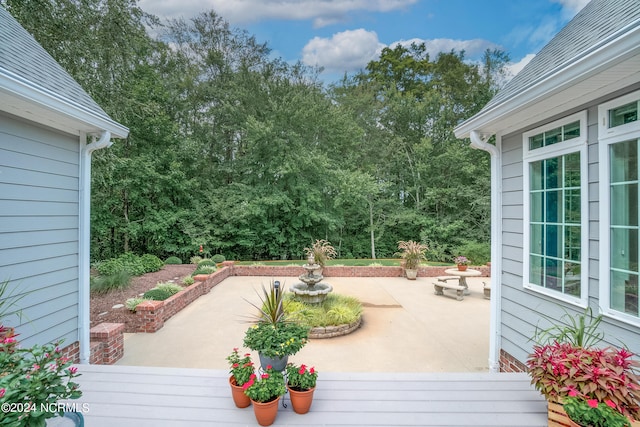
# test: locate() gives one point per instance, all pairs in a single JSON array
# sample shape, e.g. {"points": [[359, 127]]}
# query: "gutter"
{"points": [[84, 312], [479, 141]]}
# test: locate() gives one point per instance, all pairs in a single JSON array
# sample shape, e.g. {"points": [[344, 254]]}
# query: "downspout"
{"points": [[479, 141], [84, 316]]}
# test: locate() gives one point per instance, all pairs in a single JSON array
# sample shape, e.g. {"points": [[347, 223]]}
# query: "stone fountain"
{"points": [[309, 290]]}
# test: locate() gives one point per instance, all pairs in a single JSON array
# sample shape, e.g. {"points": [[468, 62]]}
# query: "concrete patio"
{"points": [[419, 359], [406, 328]]}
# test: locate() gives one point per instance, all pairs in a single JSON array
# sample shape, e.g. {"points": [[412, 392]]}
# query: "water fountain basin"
{"points": [[313, 294]]}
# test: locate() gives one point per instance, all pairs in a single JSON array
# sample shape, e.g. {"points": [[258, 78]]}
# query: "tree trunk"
{"points": [[373, 237]]}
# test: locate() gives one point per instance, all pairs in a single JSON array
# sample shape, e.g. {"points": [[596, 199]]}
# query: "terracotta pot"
{"points": [[462, 268], [266, 412], [239, 398], [301, 400]]}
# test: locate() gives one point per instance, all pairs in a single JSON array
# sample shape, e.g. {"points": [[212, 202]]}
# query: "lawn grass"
{"points": [[360, 262]]}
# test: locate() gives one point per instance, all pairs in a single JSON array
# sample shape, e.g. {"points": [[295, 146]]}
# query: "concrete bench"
{"points": [[447, 278], [441, 285], [487, 289]]}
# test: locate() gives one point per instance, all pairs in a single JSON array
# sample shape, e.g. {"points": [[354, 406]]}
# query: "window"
{"points": [[554, 209], [619, 135]]}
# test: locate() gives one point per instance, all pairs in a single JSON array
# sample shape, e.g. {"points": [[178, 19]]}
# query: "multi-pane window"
{"points": [[555, 235], [624, 227], [555, 223], [619, 145]]}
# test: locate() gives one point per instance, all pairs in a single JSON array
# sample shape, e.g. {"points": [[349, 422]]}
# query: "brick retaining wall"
{"points": [[107, 342]]}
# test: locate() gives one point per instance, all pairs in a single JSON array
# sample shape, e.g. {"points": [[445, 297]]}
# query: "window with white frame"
{"points": [[555, 162], [619, 138]]}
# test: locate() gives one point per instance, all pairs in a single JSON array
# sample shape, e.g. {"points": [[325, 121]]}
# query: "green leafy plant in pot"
{"points": [[265, 391], [34, 380], [301, 383], [241, 369], [274, 336], [592, 413], [567, 363]]}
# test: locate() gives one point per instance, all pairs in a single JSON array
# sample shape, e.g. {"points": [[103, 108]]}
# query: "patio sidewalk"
{"points": [[406, 328]]}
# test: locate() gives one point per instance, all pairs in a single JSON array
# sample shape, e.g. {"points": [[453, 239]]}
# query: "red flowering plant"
{"points": [[241, 367], [590, 412], [561, 369], [301, 378], [265, 388]]}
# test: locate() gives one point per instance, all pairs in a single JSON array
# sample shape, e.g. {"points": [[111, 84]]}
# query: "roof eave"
{"points": [[496, 119], [15, 91]]}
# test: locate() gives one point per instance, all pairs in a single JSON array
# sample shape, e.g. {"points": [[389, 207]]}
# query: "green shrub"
{"points": [[104, 283], [195, 259], [157, 294], [151, 263], [134, 264], [132, 303], [335, 310], [218, 258], [188, 281], [206, 262], [173, 260], [169, 287], [206, 269], [478, 252]]}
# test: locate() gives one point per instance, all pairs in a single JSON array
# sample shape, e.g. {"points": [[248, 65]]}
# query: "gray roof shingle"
{"points": [[22, 56], [596, 24]]}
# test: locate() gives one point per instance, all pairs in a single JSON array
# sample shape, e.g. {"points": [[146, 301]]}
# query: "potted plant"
{"points": [[241, 370], [592, 413], [265, 393], [603, 374], [322, 251], [276, 342], [567, 362], [33, 380], [301, 383], [462, 262], [273, 336], [412, 254]]}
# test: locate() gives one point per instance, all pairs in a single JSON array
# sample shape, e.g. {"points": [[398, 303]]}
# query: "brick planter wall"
{"points": [[508, 363], [107, 341], [343, 271]]}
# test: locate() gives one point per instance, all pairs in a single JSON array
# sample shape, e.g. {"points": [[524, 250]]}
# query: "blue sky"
{"points": [[344, 35]]}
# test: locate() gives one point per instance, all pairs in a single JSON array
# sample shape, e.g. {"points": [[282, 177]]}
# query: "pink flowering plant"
{"points": [[301, 378], [561, 369], [591, 412], [33, 381], [461, 260], [265, 387], [241, 366]]}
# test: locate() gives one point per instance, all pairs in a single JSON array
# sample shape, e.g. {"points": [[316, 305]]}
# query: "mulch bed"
{"points": [[102, 305]]}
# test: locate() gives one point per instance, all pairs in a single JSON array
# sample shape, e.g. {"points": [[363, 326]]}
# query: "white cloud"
{"points": [[346, 51], [571, 7], [352, 50], [321, 12], [514, 68], [472, 48]]}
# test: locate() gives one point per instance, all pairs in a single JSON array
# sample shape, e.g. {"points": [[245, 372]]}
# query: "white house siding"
{"points": [[39, 193], [522, 309]]}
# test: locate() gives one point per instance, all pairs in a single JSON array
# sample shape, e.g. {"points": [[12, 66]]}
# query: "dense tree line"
{"points": [[253, 157]]}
